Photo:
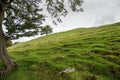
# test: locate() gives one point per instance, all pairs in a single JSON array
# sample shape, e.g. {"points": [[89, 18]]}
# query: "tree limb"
{"points": [[1, 7], [11, 1]]}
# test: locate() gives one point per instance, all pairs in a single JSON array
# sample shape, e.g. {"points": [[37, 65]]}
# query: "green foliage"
{"points": [[46, 30], [90, 51], [24, 17]]}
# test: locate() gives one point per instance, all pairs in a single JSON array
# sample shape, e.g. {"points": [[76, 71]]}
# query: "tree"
{"points": [[24, 18], [46, 30]]}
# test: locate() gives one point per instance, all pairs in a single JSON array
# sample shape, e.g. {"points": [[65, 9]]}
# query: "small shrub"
{"points": [[9, 43]]}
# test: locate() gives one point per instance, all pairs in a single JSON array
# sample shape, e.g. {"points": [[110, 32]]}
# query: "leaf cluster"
{"points": [[46, 30], [25, 17]]}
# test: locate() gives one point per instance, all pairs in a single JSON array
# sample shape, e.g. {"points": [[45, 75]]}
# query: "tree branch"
{"points": [[1, 7], [11, 1]]}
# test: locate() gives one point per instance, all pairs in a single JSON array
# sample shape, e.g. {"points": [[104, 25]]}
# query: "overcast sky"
{"points": [[96, 12]]}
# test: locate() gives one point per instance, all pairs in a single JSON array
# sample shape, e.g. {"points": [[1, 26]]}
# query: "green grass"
{"points": [[91, 51]]}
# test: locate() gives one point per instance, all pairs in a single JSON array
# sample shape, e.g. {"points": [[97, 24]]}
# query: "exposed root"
{"points": [[5, 70]]}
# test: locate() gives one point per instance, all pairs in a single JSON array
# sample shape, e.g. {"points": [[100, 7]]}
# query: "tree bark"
{"points": [[9, 64]]}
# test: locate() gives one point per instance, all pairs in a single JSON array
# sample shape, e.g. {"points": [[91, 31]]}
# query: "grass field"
{"points": [[92, 52]]}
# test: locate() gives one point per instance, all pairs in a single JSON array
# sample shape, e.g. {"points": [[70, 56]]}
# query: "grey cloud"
{"points": [[103, 11], [105, 20]]}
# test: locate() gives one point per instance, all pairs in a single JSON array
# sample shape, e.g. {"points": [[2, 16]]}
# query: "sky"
{"points": [[96, 12]]}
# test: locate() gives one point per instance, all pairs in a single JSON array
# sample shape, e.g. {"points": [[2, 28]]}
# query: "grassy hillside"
{"points": [[91, 52]]}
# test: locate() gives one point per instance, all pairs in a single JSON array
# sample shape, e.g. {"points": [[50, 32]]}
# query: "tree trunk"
{"points": [[7, 61]]}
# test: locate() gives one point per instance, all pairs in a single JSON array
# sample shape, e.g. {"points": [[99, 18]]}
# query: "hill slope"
{"points": [[89, 52]]}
